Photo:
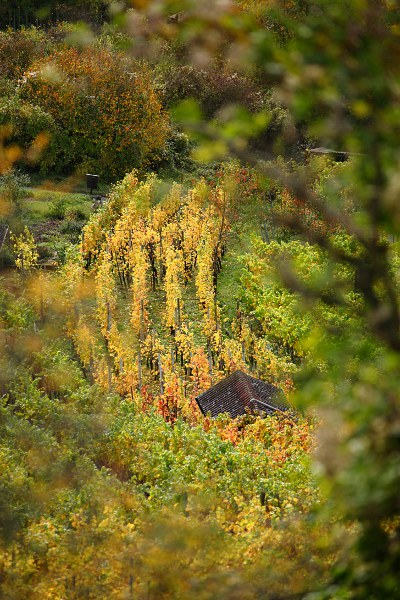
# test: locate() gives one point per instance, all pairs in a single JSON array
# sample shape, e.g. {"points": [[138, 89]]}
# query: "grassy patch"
{"points": [[42, 203], [55, 218]]}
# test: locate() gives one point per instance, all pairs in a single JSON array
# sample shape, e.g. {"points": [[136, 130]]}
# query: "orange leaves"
{"points": [[104, 104]]}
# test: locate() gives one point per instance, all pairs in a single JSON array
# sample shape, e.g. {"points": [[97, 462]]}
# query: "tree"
{"points": [[20, 13], [108, 114]]}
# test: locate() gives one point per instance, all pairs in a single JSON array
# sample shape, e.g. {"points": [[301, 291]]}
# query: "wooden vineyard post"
{"points": [[178, 326], [109, 318], [141, 332], [160, 373], [161, 259], [141, 340], [210, 363], [109, 373], [264, 233], [139, 369], [188, 369], [178, 313], [152, 347], [114, 259]]}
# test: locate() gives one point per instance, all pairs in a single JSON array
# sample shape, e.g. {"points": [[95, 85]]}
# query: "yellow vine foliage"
{"points": [[24, 248], [155, 266], [140, 290], [172, 285], [105, 293]]}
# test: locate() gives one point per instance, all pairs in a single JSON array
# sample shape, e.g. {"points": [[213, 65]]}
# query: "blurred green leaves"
{"points": [[229, 132]]}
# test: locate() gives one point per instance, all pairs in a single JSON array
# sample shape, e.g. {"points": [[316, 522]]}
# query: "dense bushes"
{"points": [[20, 13], [18, 49], [213, 88], [216, 89], [89, 109], [100, 110], [108, 115], [31, 128], [88, 92]]}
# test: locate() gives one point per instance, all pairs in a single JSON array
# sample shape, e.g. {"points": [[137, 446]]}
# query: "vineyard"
{"points": [[125, 476], [158, 327], [245, 228], [115, 345]]}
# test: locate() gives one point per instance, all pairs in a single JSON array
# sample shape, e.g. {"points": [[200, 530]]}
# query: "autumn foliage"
{"points": [[103, 496], [108, 114]]}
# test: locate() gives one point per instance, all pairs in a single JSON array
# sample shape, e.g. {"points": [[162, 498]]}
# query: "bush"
{"points": [[213, 88], [73, 228], [44, 251], [75, 214], [6, 257], [175, 157], [31, 128], [12, 192], [57, 209], [109, 117], [18, 49]]}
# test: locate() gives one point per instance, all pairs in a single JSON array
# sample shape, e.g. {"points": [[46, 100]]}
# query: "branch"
{"points": [[318, 238], [294, 284]]}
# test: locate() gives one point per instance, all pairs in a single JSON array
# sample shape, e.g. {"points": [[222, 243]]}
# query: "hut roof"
{"points": [[238, 393], [335, 155]]}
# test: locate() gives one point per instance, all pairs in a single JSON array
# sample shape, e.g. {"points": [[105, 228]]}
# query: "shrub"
{"points": [[73, 228], [109, 116], [12, 192], [216, 88], [75, 214], [18, 49], [213, 88], [44, 251], [6, 257], [31, 128], [57, 209], [176, 154]]}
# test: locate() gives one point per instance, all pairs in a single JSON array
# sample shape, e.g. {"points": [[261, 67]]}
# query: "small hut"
{"points": [[238, 394]]}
